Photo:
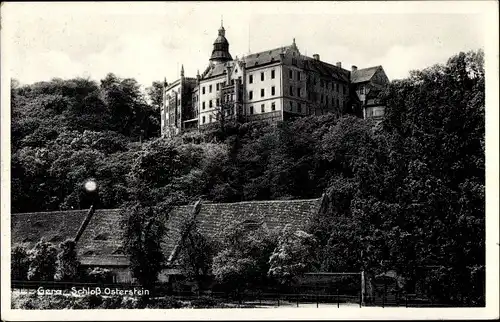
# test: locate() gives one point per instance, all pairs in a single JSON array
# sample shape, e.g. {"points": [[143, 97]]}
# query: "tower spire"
{"points": [[182, 70]]}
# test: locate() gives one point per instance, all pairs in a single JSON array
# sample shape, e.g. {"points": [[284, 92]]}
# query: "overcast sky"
{"points": [[150, 41]]}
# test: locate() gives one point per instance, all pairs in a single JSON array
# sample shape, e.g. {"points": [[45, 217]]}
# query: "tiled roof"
{"points": [[264, 57], [275, 214], [363, 75], [326, 69], [214, 70], [54, 226], [102, 241]]}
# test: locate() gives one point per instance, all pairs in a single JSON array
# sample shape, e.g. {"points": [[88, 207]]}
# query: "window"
{"points": [[250, 79], [291, 106], [273, 106], [203, 90], [217, 86], [251, 109], [298, 91], [298, 75], [261, 92], [291, 91], [203, 120], [203, 105], [250, 95], [299, 107], [262, 108], [218, 102], [261, 76], [232, 81], [210, 103], [272, 74], [210, 118], [273, 91], [210, 89], [290, 74]]}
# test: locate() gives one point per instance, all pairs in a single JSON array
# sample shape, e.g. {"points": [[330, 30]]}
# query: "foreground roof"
{"points": [[101, 243]]}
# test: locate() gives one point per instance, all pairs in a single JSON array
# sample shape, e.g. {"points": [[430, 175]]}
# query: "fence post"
{"points": [[317, 300], [360, 298], [297, 294], [338, 299]]}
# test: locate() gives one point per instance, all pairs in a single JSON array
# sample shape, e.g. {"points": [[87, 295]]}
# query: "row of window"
{"points": [[227, 113], [263, 108], [262, 76], [262, 92], [227, 98], [297, 74], [218, 86], [299, 106]]}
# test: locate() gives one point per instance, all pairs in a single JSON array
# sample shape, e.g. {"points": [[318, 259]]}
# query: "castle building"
{"points": [[273, 85]]}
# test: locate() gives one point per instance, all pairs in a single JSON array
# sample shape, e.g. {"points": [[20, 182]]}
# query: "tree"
{"points": [[143, 236], [68, 266], [196, 254], [19, 261], [42, 262], [243, 259], [293, 255], [155, 94]]}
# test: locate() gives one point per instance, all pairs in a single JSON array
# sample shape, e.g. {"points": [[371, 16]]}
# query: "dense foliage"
{"points": [[407, 194]]}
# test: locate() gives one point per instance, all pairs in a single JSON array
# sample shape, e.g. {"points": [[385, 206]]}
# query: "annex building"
{"points": [[272, 85]]}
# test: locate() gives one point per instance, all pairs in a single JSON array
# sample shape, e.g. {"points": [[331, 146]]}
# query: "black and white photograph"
{"points": [[245, 160]]}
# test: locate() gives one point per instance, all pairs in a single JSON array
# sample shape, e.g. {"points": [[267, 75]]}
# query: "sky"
{"points": [[150, 41]]}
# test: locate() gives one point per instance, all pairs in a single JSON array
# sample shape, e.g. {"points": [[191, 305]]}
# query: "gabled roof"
{"points": [[53, 226], [212, 219], [326, 69], [101, 243], [214, 70], [363, 75], [102, 240], [265, 57]]}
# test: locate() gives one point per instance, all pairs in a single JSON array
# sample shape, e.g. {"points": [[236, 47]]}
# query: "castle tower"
{"points": [[220, 53]]}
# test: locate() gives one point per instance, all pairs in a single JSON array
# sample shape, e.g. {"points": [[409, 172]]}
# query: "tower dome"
{"points": [[220, 53]]}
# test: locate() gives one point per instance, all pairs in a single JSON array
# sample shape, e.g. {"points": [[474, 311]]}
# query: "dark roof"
{"points": [[101, 243], [264, 57], [274, 214], [54, 226], [214, 70], [326, 69], [363, 75]]}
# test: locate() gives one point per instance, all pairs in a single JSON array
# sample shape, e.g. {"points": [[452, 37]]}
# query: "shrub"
{"points": [[204, 302], [67, 262], [19, 263], [42, 262], [99, 275]]}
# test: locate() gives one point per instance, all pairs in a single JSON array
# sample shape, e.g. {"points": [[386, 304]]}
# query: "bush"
{"points": [[168, 302], [42, 262], [204, 302], [113, 302], [99, 275], [19, 263]]}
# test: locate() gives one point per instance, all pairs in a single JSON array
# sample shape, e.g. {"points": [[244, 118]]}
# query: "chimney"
{"points": [[316, 57], [338, 64], [354, 68]]}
